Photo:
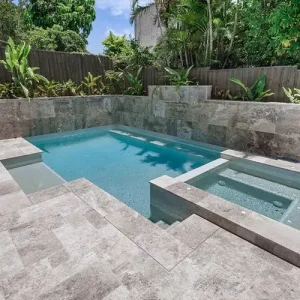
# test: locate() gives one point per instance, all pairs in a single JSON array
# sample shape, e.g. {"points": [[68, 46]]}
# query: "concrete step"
{"points": [[162, 225], [172, 226]]}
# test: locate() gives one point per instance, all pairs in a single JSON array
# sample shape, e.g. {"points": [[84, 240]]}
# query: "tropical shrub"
{"points": [[56, 39], [254, 93], [7, 91], [16, 62], [136, 84], [178, 77], [91, 85], [115, 82], [293, 95]]}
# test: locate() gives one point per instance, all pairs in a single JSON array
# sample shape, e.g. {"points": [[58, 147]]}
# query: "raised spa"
{"points": [[270, 191]]}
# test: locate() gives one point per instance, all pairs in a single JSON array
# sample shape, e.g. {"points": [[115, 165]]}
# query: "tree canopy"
{"points": [[226, 33], [11, 21], [56, 39], [75, 15]]}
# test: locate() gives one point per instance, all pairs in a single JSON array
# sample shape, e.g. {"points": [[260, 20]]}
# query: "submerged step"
{"points": [[277, 189], [35, 177]]}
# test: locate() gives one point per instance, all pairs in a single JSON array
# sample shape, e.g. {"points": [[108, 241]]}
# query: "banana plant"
{"points": [[136, 84], [68, 88], [293, 95], [254, 93], [180, 77], [115, 81], [49, 89], [91, 85], [16, 62]]}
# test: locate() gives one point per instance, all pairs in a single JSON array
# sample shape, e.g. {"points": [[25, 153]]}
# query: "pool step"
{"points": [[162, 224], [278, 190], [172, 226], [166, 226], [35, 177]]}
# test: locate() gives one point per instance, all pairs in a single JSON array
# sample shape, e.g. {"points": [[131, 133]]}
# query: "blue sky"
{"points": [[110, 15]]}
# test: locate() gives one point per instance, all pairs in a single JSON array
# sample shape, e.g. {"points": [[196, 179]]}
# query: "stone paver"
{"points": [[193, 231], [65, 247], [16, 148]]}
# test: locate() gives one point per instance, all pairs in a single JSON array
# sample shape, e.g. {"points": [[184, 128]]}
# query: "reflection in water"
{"points": [[119, 164]]}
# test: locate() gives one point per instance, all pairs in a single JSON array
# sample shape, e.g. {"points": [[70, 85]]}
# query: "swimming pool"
{"points": [[121, 161]]}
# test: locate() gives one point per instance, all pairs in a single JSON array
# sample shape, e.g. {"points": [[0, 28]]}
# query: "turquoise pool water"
{"points": [[259, 188], [119, 162]]}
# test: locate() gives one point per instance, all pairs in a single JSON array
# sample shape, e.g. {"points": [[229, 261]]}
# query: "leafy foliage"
{"points": [[179, 77], [56, 39], [115, 45], [136, 84], [91, 85], [127, 53], [226, 33], [75, 15], [284, 28], [11, 21], [254, 93], [293, 95], [115, 82], [16, 62]]}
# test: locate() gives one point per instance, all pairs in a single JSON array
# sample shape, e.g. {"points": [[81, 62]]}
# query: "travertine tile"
{"points": [[13, 202], [120, 293], [135, 268], [9, 221], [39, 247], [93, 282], [47, 194], [8, 187], [96, 198], [275, 237], [4, 174], [24, 232], [96, 219], [10, 262], [163, 247], [193, 231], [58, 258]]}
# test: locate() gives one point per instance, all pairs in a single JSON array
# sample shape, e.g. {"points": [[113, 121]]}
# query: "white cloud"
{"points": [[118, 7]]}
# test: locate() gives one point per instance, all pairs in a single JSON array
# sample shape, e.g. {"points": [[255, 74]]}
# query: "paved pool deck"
{"points": [[75, 241]]}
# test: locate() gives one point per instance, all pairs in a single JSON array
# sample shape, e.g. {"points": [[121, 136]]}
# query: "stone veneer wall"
{"points": [[271, 129]]}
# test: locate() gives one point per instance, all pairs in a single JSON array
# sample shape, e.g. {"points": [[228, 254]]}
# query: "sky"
{"points": [[110, 15]]}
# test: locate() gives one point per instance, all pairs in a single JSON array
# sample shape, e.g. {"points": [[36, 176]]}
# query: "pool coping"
{"points": [[272, 236]]}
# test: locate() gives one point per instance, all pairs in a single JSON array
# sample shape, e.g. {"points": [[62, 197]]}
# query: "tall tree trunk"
{"points": [[158, 10], [186, 57], [206, 49], [233, 34], [181, 58], [210, 29]]}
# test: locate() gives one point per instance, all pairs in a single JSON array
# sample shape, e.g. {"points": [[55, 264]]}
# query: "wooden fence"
{"points": [[62, 66], [276, 78]]}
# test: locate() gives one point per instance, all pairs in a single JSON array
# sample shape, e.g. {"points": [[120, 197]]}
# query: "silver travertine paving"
{"points": [[80, 243], [76, 241]]}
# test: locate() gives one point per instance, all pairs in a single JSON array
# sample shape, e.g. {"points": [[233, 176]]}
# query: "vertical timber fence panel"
{"points": [[61, 66], [276, 78]]}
